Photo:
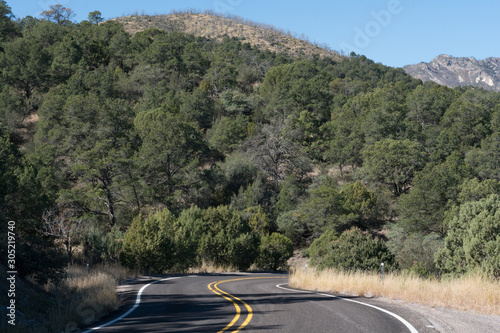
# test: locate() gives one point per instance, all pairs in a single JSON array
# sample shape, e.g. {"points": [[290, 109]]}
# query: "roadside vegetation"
{"points": [[170, 152], [470, 292], [83, 297], [80, 299]]}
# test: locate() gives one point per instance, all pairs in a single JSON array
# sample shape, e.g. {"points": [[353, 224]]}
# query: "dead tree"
{"points": [[61, 226]]}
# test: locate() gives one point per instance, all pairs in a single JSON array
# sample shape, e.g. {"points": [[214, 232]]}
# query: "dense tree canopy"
{"points": [[394, 163]]}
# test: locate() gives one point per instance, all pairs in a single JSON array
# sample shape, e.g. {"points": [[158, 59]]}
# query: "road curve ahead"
{"points": [[246, 303]]}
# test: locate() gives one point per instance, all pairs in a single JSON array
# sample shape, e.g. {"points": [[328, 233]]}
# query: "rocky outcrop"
{"points": [[452, 72]]}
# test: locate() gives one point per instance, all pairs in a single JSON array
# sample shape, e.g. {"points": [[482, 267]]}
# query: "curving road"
{"points": [[252, 303]]}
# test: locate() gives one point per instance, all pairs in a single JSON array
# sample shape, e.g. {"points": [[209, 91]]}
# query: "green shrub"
{"points": [[258, 220], [414, 248], [275, 249], [157, 244], [95, 246], [292, 226], [473, 240], [352, 250], [243, 250], [359, 201], [321, 246], [228, 132], [114, 244], [226, 238], [419, 269]]}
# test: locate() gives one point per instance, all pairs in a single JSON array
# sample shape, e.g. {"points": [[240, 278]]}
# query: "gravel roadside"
{"points": [[446, 320]]}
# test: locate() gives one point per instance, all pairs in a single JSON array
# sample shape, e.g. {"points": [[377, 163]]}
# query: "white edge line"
{"points": [[407, 324], [137, 302]]}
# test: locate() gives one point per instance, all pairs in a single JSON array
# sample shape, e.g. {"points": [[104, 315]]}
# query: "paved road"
{"points": [[253, 303]]}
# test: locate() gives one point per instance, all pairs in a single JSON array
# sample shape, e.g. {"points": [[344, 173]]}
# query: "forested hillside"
{"points": [[162, 150]]}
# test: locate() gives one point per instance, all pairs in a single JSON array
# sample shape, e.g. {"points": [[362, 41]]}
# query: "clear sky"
{"points": [[393, 32]]}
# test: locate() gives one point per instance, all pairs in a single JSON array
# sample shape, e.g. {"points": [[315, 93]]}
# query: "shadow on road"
{"points": [[177, 306]]}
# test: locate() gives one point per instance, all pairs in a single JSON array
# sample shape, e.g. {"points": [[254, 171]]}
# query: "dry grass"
{"points": [[472, 292], [211, 268], [85, 298], [216, 27]]}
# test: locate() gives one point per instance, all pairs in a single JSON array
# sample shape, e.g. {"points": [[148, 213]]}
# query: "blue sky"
{"points": [[393, 32]]}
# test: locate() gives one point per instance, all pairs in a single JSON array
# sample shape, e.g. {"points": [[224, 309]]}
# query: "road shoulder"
{"points": [[446, 320]]}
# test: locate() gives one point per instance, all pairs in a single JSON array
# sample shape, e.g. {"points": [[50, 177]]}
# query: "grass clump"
{"points": [[81, 299]]}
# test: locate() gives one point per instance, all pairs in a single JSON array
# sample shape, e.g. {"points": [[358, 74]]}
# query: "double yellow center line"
{"points": [[214, 287]]}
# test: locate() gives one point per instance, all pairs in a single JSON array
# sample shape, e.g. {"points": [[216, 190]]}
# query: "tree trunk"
{"points": [[111, 208], [110, 202]]}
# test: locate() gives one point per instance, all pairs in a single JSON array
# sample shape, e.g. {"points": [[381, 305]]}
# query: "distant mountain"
{"points": [[215, 26], [453, 71]]}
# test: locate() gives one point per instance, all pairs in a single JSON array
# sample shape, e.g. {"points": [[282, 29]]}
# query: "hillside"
{"points": [[265, 37], [452, 72]]}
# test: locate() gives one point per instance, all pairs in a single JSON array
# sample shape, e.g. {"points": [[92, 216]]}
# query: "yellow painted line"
{"points": [[238, 310], [249, 309], [233, 299]]}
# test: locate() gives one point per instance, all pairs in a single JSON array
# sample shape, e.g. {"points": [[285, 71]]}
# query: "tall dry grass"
{"points": [[208, 267], [84, 297], [470, 292]]}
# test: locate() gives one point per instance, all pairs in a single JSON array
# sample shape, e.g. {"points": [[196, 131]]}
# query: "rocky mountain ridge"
{"points": [[459, 71]]}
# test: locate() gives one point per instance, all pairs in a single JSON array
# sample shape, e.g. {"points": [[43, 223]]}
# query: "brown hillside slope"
{"points": [[217, 26]]}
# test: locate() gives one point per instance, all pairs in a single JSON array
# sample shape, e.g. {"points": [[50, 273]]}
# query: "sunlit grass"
{"points": [[85, 297], [469, 292], [208, 267]]}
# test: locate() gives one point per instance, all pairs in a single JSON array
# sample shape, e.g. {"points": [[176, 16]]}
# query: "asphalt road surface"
{"points": [[250, 303]]}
